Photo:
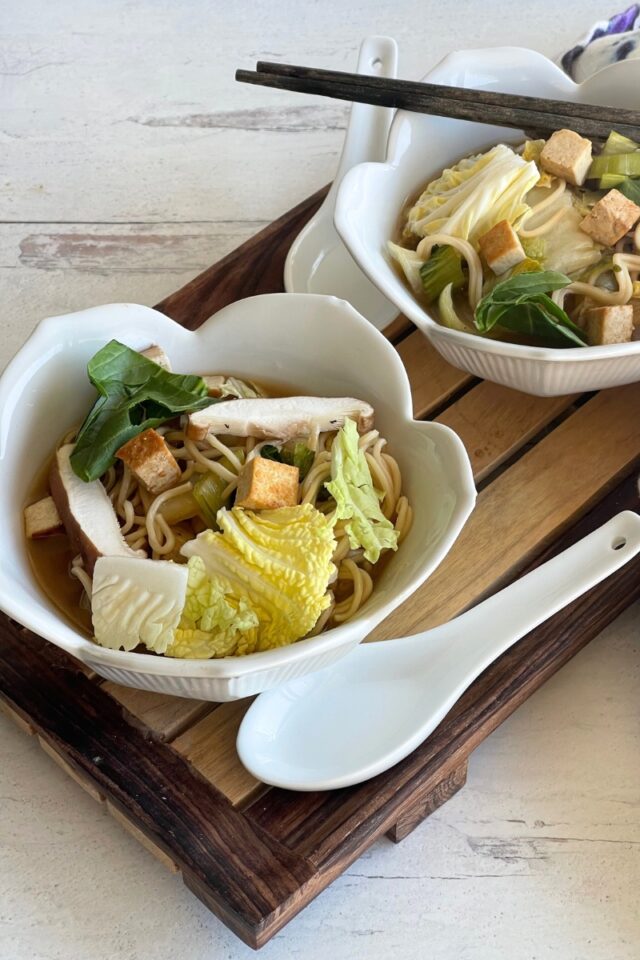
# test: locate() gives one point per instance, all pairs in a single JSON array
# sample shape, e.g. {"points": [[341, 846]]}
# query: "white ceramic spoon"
{"points": [[318, 261], [346, 723]]}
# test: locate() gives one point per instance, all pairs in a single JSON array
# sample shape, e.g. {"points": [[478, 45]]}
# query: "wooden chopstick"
{"points": [[481, 106]]}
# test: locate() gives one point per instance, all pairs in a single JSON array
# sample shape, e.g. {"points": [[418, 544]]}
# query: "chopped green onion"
{"points": [[631, 190], [622, 164], [207, 492], [617, 143], [444, 266], [611, 180]]}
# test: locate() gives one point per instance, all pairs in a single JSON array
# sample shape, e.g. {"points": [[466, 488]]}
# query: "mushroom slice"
{"points": [[279, 418], [86, 511], [136, 601]]}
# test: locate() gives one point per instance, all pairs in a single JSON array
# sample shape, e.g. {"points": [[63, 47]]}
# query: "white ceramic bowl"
{"points": [[372, 196], [319, 344]]}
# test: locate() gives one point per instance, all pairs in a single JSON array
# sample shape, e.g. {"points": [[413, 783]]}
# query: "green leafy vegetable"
{"points": [[300, 456], [631, 190], [521, 304], [357, 501], [444, 267], [410, 264], [617, 143], [621, 164], [207, 491], [216, 621], [447, 311], [134, 395]]}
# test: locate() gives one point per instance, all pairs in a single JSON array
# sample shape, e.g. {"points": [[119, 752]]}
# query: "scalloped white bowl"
{"points": [[316, 343], [372, 196]]}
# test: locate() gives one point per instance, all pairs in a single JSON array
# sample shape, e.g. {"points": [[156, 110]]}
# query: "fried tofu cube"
{"points": [[150, 461], [42, 519], [501, 247], [610, 218], [567, 155], [214, 384], [267, 485], [158, 355], [609, 324]]}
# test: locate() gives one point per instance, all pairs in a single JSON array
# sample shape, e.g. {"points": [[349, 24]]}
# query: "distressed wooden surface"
{"points": [[130, 161]]}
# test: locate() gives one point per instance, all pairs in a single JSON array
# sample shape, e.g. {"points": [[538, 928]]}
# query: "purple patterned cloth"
{"points": [[608, 41]]}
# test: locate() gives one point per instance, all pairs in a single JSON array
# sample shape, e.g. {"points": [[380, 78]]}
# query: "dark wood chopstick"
{"points": [[481, 106]]}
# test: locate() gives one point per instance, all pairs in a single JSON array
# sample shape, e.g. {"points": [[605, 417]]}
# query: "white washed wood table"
{"points": [[130, 161]]}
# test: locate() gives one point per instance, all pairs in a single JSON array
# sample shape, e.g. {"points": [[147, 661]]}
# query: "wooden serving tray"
{"points": [[549, 471]]}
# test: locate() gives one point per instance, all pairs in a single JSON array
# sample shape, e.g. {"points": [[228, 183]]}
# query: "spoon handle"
{"points": [[487, 630], [368, 128]]}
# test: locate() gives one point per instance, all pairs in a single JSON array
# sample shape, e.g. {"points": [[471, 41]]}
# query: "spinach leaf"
{"points": [[522, 304], [134, 394]]}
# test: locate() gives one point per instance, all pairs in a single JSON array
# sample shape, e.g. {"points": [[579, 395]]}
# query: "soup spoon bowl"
{"points": [[355, 719]]}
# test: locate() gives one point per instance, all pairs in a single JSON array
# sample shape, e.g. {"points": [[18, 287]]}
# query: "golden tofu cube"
{"points": [[501, 247], [42, 519], [610, 218], [150, 461], [267, 485], [567, 155], [158, 355], [609, 324]]}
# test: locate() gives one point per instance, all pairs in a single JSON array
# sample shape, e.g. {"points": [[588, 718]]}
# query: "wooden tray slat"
{"points": [[210, 746], [164, 716], [431, 391], [494, 422], [526, 506]]}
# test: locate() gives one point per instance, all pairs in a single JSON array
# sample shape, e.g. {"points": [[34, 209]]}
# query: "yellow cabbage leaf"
{"points": [[259, 583]]}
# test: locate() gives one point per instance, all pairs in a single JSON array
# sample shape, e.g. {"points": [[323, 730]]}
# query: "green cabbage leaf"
{"points": [[357, 501]]}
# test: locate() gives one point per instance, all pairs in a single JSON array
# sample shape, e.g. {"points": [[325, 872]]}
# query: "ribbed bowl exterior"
{"points": [[220, 689], [543, 378]]}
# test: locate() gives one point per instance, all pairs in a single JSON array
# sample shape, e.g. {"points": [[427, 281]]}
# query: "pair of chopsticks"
{"points": [[460, 103]]}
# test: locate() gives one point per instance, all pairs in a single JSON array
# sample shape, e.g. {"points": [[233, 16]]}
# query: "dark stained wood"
{"points": [[249, 875], [462, 103], [255, 267], [442, 792]]}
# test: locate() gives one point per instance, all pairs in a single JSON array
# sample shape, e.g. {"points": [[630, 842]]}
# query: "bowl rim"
{"points": [[411, 306], [45, 622]]}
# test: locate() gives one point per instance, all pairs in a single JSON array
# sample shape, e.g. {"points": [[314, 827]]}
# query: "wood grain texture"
{"points": [[494, 422], [82, 780], [210, 747], [528, 505], [442, 792], [432, 379], [498, 109], [248, 874], [332, 829], [165, 717], [142, 838]]}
